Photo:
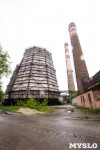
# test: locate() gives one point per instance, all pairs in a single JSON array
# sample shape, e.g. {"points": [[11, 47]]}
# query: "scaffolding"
{"points": [[34, 77]]}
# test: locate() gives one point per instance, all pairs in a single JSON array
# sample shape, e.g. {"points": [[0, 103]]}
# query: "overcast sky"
{"points": [[44, 23]]}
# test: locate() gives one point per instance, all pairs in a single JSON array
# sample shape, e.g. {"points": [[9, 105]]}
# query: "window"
{"points": [[83, 99], [89, 96]]}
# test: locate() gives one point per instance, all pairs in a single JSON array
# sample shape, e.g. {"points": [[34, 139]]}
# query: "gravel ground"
{"points": [[51, 131]]}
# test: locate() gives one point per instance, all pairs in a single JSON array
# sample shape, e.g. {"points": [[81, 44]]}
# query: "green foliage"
{"points": [[81, 108], [9, 108], [74, 94], [87, 117], [45, 102], [4, 63], [97, 111], [91, 110], [20, 103], [31, 103], [1, 94], [35, 104], [4, 68], [0, 103]]}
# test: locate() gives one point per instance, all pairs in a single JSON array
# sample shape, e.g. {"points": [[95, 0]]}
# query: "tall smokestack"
{"points": [[71, 86], [79, 62]]}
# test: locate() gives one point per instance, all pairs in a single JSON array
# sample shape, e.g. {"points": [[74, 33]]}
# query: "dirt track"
{"points": [[52, 131]]}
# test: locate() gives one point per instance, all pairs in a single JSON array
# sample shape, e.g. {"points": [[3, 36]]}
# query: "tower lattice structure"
{"points": [[34, 77]]}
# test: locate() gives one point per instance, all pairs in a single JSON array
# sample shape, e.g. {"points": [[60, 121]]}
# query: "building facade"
{"points": [[91, 98]]}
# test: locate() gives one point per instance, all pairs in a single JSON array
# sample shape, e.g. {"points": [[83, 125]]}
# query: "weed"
{"points": [[31, 103], [0, 103], [87, 117], [91, 110], [74, 94], [20, 103], [81, 108], [94, 110], [10, 108]]}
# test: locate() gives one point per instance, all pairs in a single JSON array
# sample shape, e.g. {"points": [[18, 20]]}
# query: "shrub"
{"points": [[45, 102], [31, 103], [0, 103], [74, 94], [1, 94], [91, 110], [94, 110], [35, 104], [20, 103]]}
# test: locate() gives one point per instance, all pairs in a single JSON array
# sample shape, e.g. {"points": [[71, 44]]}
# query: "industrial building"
{"points": [[88, 88], [91, 97], [34, 77]]}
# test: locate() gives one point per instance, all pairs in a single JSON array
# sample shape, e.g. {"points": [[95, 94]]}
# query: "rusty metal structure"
{"points": [[71, 86], [79, 62], [34, 77]]}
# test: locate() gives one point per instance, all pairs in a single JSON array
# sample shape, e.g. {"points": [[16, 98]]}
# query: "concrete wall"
{"points": [[74, 101], [89, 99]]}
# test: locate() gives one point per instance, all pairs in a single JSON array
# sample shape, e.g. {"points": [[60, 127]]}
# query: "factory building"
{"points": [[34, 77], [88, 88], [91, 97]]}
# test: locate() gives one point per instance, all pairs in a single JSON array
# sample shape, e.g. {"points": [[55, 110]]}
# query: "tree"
{"points": [[1, 94], [4, 63], [4, 67], [74, 94]]}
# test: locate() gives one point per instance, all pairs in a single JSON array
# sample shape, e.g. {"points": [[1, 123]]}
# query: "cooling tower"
{"points": [[34, 77]]}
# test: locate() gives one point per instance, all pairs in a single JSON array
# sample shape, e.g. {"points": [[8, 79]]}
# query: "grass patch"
{"points": [[10, 108], [87, 117], [97, 111], [31, 103], [91, 110], [81, 108]]}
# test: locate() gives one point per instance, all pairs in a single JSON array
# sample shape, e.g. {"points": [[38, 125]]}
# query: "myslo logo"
{"points": [[83, 145]]}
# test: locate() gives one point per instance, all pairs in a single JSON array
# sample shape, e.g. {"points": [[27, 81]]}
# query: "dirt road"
{"points": [[52, 131]]}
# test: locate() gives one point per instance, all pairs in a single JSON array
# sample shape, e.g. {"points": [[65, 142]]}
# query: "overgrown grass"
{"points": [[87, 117], [91, 110], [10, 108], [97, 111], [31, 103], [81, 108]]}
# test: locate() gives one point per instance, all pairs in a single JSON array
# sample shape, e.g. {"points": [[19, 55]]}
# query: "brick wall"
{"points": [[79, 61], [89, 99]]}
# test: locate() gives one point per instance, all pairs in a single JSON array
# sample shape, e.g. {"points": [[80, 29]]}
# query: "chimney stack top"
{"points": [[65, 44], [72, 24]]}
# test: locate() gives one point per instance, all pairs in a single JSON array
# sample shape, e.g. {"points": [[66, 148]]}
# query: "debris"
{"points": [[28, 111], [3, 112]]}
